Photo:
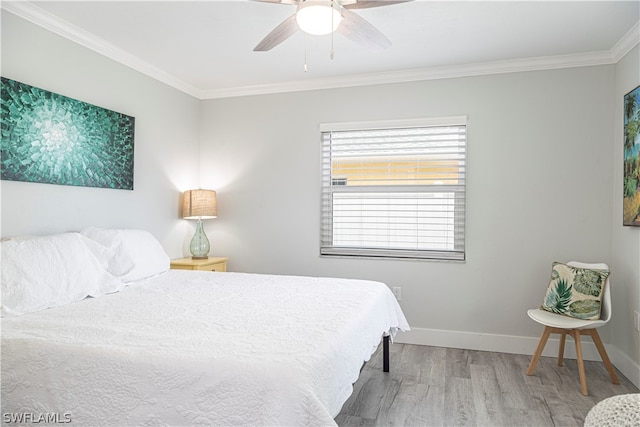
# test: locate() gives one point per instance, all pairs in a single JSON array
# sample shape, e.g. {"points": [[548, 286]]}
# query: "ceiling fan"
{"points": [[318, 17]]}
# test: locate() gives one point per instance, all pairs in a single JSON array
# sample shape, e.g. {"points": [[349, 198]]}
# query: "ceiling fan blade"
{"points": [[279, 34], [366, 4], [356, 28]]}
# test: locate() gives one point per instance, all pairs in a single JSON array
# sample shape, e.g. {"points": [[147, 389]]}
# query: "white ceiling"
{"points": [[205, 48]]}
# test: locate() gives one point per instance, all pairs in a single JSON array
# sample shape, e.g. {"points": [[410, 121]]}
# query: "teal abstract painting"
{"points": [[50, 138]]}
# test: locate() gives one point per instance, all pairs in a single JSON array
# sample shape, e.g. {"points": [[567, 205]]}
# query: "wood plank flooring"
{"points": [[435, 386]]}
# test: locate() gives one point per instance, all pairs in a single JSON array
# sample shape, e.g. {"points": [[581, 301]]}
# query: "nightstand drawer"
{"points": [[210, 264]]}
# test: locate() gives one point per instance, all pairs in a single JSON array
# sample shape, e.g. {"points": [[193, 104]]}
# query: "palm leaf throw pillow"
{"points": [[575, 292]]}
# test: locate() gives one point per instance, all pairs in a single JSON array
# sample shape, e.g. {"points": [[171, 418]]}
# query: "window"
{"points": [[394, 189]]}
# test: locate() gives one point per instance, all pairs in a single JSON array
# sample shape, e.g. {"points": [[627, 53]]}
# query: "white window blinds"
{"points": [[395, 189]]}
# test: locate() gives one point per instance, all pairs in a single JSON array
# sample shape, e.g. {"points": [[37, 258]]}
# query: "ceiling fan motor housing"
{"points": [[318, 17]]}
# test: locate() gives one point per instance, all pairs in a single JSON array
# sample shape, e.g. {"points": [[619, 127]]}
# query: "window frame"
{"points": [[328, 181]]}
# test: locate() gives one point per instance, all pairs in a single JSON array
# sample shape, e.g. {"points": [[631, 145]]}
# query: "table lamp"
{"points": [[199, 204]]}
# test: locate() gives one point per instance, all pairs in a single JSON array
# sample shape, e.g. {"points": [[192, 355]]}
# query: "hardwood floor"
{"points": [[435, 386]]}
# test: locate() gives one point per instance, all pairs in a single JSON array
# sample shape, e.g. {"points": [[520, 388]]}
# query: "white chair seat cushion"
{"points": [[558, 321]]}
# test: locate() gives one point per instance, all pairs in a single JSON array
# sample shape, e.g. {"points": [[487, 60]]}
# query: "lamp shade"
{"points": [[199, 204], [318, 17]]}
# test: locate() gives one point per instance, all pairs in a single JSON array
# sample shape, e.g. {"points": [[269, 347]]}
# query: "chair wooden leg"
{"points": [[538, 353], [563, 337], [583, 377], [603, 353]]}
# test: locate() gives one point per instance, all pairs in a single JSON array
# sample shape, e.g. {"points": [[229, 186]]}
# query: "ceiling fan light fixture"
{"points": [[318, 17]]}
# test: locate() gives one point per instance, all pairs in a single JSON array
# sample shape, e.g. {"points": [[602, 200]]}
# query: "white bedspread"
{"points": [[198, 348]]}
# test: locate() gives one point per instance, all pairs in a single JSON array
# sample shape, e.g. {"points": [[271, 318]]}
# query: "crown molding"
{"points": [[404, 76], [626, 43], [40, 17], [56, 25]]}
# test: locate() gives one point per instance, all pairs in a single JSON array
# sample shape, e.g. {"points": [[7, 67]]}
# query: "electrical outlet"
{"points": [[397, 291], [636, 320]]}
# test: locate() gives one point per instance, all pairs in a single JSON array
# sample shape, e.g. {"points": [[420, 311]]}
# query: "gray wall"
{"points": [[544, 184], [166, 141], [625, 256], [540, 178]]}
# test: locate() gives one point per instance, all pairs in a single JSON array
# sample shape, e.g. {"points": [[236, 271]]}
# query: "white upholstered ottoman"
{"points": [[618, 411]]}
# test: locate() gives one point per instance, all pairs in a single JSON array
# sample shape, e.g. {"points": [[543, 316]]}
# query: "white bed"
{"points": [[189, 348]]}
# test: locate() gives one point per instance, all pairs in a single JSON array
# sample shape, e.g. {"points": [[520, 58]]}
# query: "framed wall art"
{"points": [[631, 181], [50, 138]]}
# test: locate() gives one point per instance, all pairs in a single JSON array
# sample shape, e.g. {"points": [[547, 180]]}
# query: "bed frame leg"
{"points": [[385, 353]]}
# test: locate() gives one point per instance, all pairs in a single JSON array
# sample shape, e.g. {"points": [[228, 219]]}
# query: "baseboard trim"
{"points": [[624, 364], [518, 345]]}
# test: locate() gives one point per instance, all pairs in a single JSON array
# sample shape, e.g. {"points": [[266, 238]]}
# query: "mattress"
{"points": [[197, 348]]}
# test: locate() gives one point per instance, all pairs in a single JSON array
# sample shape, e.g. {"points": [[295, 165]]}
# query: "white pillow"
{"points": [[103, 254], [137, 253], [50, 271]]}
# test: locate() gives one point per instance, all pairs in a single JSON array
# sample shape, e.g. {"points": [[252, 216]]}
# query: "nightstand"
{"points": [[209, 264]]}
